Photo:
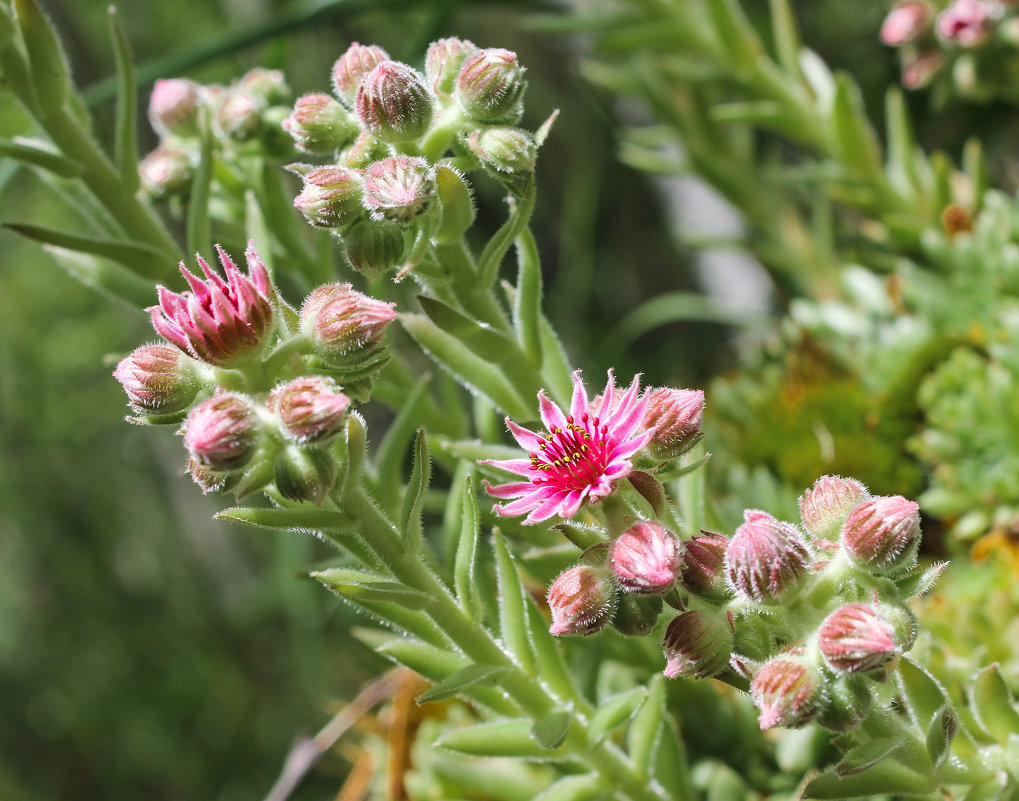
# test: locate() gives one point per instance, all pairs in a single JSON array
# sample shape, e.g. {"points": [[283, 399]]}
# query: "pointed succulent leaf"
{"points": [[458, 682], [410, 514], [992, 704], [644, 729], [923, 694], [513, 620], [887, 776], [497, 738], [940, 735], [614, 712], [588, 787], [918, 582], [866, 756], [550, 730]]}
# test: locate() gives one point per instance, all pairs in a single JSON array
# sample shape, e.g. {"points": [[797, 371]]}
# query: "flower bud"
{"points": [[343, 323], [966, 23], [504, 149], [239, 115], [398, 188], [210, 480], [855, 639], [846, 703], [174, 106], [158, 379], [166, 171], [766, 557], [826, 505], [646, 559], [320, 125], [393, 103], [703, 571], [269, 85], [352, 66], [636, 615], [490, 87], [697, 645], [919, 71], [373, 247], [222, 433], [787, 691], [581, 599], [906, 22], [309, 408], [304, 474], [673, 417], [331, 197], [883, 534], [444, 60]]}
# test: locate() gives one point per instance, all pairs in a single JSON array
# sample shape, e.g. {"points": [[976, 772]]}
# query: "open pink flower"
{"points": [[581, 457]]}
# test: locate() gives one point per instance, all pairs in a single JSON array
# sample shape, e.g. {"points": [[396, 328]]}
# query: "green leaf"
{"points": [[866, 755], [499, 244], [464, 579], [125, 141], [919, 582], [104, 276], [974, 164], [887, 776], [550, 730], [614, 712], [787, 36], [527, 308], [499, 738], [366, 588], [472, 371], [1012, 755], [37, 153], [650, 489], [49, 71], [735, 34], [993, 789], [513, 620], [457, 205], [992, 704], [199, 225], [590, 787], [410, 513], [465, 677], [545, 129], [644, 729], [924, 695], [547, 656], [902, 149], [392, 449], [854, 139], [122, 251], [671, 767], [304, 519], [940, 735]]}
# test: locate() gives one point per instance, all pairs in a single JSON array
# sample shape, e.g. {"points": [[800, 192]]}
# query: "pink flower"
{"points": [[219, 322], [580, 458]]}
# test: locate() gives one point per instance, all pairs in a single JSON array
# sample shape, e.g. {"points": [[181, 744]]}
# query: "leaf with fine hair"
{"points": [[513, 620], [414, 495], [125, 142]]}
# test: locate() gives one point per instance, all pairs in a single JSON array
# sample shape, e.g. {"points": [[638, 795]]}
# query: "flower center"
{"points": [[573, 457]]}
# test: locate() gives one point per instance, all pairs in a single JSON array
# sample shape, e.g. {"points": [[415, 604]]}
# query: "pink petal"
{"points": [[520, 467], [551, 415], [579, 406], [525, 438]]}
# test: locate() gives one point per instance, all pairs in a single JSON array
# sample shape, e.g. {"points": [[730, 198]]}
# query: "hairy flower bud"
{"points": [[331, 197], [920, 70], [697, 645], [581, 599], [352, 66], [636, 615], [966, 23], [788, 691], [444, 60], [906, 22], [158, 379], [883, 534], [393, 103], [269, 85], [646, 559], [826, 505], [320, 125], [703, 571], [304, 474], [504, 149], [310, 408], [239, 115], [342, 322], [174, 106], [398, 188], [847, 701], [222, 433], [166, 171], [490, 87], [674, 419], [374, 247], [766, 558], [855, 638]]}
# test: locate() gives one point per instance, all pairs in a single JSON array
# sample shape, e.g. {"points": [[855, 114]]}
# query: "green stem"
{"points": [[477, 300]]}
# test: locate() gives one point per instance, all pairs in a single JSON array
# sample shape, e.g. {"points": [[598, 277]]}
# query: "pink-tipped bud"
{"points": [[352, 66], [393, 103], [703, 571], [342, 322], [855, 638], [219, 322], [269, 85], [166, 171], [504, 149], [825, 506], [906, 22], [209, 480], [697, 645], [157, 379], [444, 60], [174, 106], [331, 197], [310, 408], [766, 558], [304, 474], [398, 188], [320, 125], [920, 71], [374, 248], [966, 23], [239, 115], [222, 433], [490, 87], [673, 417], [883, 534], [646, 559], [581, 599], [787, 691]]}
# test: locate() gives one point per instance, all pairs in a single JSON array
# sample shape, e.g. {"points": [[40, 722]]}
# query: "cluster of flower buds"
{"points": [[251, 419], [386, 126], [952, 39]]}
